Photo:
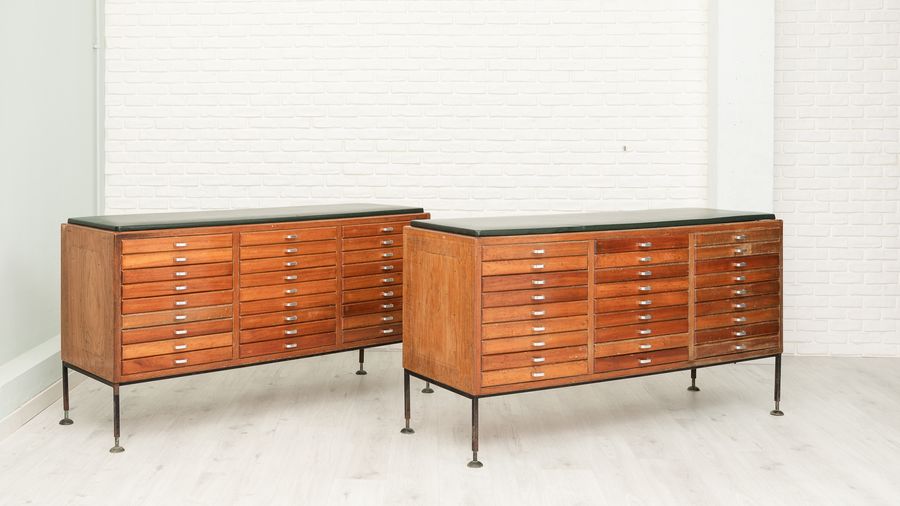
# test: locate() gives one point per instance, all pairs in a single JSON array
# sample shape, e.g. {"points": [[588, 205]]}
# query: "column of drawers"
{"points": [[288, 290], [534, 312], [373, 281], [737, 291], [641, 301], [177, 295]]}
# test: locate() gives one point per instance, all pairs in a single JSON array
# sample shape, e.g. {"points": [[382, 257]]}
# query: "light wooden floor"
{"points": [[310, 432]]}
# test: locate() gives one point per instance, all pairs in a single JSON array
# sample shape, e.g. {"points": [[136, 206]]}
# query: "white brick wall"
{"points": [[837, 174]]}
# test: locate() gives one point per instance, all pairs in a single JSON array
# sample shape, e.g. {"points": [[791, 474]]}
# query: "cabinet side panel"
{"points": [[440, 328], [88, 307]]}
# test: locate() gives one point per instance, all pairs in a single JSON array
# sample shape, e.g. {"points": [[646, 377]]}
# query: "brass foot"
{"points": [[116, 448], [66, 420]]}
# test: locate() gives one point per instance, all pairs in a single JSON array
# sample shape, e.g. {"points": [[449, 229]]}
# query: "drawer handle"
{"points": [[290, 264], [740, 279], [181, 332], [538, 329], [537, 252], [387, 230], [292, 318], [537, 266], [387, 306], [739, 333], [742, 291], [181, 245], [645, 361], [538, 360], [740, 347], [290, 291], [539, 344], [740, 237], [181, 361], [387, 280], [290, 304], [180, 346], [291, 250], [181, 303], [387, 255], [537, 375], [180, 288], [387, 242], [387, 331], [739, 251], [645, 259], [538, 297], [645, 317], [645, 346], [647, 244], [180, 259], [645, 332], [290, 237], [181, 274], [180, 317], [740, 264], [387, 318], [538, 282], [646, 288], [387, 294], [292, 332], [290, 346], [645, 274], [292, 277], [645, 302], [387, 268], [740, 319], [538, 313], [740, 305]]}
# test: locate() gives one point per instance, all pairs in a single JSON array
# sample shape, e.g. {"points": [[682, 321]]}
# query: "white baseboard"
{"points": [[35, 405]]}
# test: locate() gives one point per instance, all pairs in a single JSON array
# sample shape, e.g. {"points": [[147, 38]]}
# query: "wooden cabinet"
{"points": [[147, 297], [497, 306]]}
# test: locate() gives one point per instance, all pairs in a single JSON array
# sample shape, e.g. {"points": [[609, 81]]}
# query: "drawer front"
{"points": [[372, 307], [540, 296], [532, 343], [619, 274], [639, 360], [373, 268], [371, 320], [736, 332], [372, 255], [180, 243], [650, 301], [737, 265], [728, 278], [374, 242], [534, 312], [175, 361], [176, 258], [641, 258], [647, 242], [288, 303], [738, 250], [358, 282], [534, 250], [157, 288], [176, 273], [133, 321], [640, 287], [280, 264], [534, 328], [737, 347], [744, 290], [288, 236], [526, 281], [279, 277], [503, 267], [288, 346], [381, 331], [738, 304], [605, 334], [533, 358], [288, 331], [640, 345], [739, 236], [367, 294], [168, 346], [186, 301], [177, 331], [288, 290], [394, 227], [738, 318], [641, 316], [288, 317], [534, 373], [287, 250]]}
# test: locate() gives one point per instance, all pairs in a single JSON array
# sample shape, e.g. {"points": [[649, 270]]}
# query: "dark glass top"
{"points": [[587, 222], [156, 221]]}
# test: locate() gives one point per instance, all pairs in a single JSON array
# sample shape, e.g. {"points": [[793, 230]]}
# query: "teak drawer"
{"points": [[736, 332], [651, 241], [185, 301], [294, 262], [633, 258], [280, 277], [531, 343], [375, 242], [743, 290], [286, 331], [649, 301], [368, 294], [737, 264], [367, 333], [157, 288], [289, 345], [178, 330], [372, 255], [536, 327], [739, 346], [738, 250], [288, 236], [640, 316], [177, 243], [639, 360], [640, 345], [536, 280], [728, 278], [131, 321], [288, 290], [739, 318], [604, 334], [373, 319], [371, 268], [502, 267], [534, 251], [168, 259], [737, 304], [372, 307], [645, 273], [533, 312], [287, 250], [394, 227], [537, 296], [739, 236], [152, 348], [640, 287], [174, 361], [533, 358], [288, 317], [176, 273], [358, 282], [534, 373], [288, 303]]}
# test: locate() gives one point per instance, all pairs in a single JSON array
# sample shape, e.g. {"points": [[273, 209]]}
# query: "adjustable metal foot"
{"points": [[406, 410], [777, 411], [66, 420], [693, 387], [362, 359], [116, 433], [65, 388], [427, 389], [475, 464], [116, 448]]}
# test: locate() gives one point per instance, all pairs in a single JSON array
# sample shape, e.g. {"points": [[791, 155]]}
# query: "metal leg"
{"points": [[406, 429], [116, 448], [693, 387], [475, 463], [777, 411], [362, 359], [65, 387], [427, 389]]}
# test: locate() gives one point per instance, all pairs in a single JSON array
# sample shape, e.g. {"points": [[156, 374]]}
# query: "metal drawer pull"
{"points": [[645, 332], [537, 297], [740, 319], [742, 291], [645, 259], [739, 305], [290, 237], [180, 317], [180, 259], [538, 360], [387, 268], [645, 317], [537, 252], [644, 361], [538, 282], [645, 302], [181, 303], [538, 313], [387, 331], [292, 277], [387, 294], [740, 264], [387, 280], [387, 255], [739, 251], [387, 242], [537, 375], [291, 291], [539, 344], [181, 245], [645, 244], [290, 318], [740, 279], [740, 237], [387, 230], [645, 346], [646, 288], [387, 306], [181, 361], [290, 264], [290, 346], [180, 274], [538, 329], [740, 347], [291, 250], [387, 318], [180, 288], [645, 274], [290, 304], [180, 346], [537, 266], [292, 332], [181, 332], [740, 333]]}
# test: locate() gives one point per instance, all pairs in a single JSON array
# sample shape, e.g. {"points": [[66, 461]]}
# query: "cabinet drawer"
{"points": [[728, 278], [738, 250], [502, 267], [640, 258], [605, 334], [288, 303], [736, 332], [738, 346], [157, 288], [168, 259], [180, 243], [737, 265], [372, 307], [176, 360], [288, 236], [649, 242], [650, 301], [363, 334], [288, 346], [153, 348], [372, 255], [177, 331], [640, 345], [288, 317], [533, 358], [372, 268], [288, 290], [534, 250], [532, 343], [280, 264], [619, 274], [639, 360], [358, 282], [370, 320], [737, 291], [533, 312], [534, 373], [287, 331], [739, 318], [279, 277], [641, 316], [394, 227], [640, 287], [738, 304], [186, 301], [539, 296], [374, 242], [739, 236], [367, 294], [534, 328], [526, 281], [287, 250], [176, 273], [132, 321]]}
